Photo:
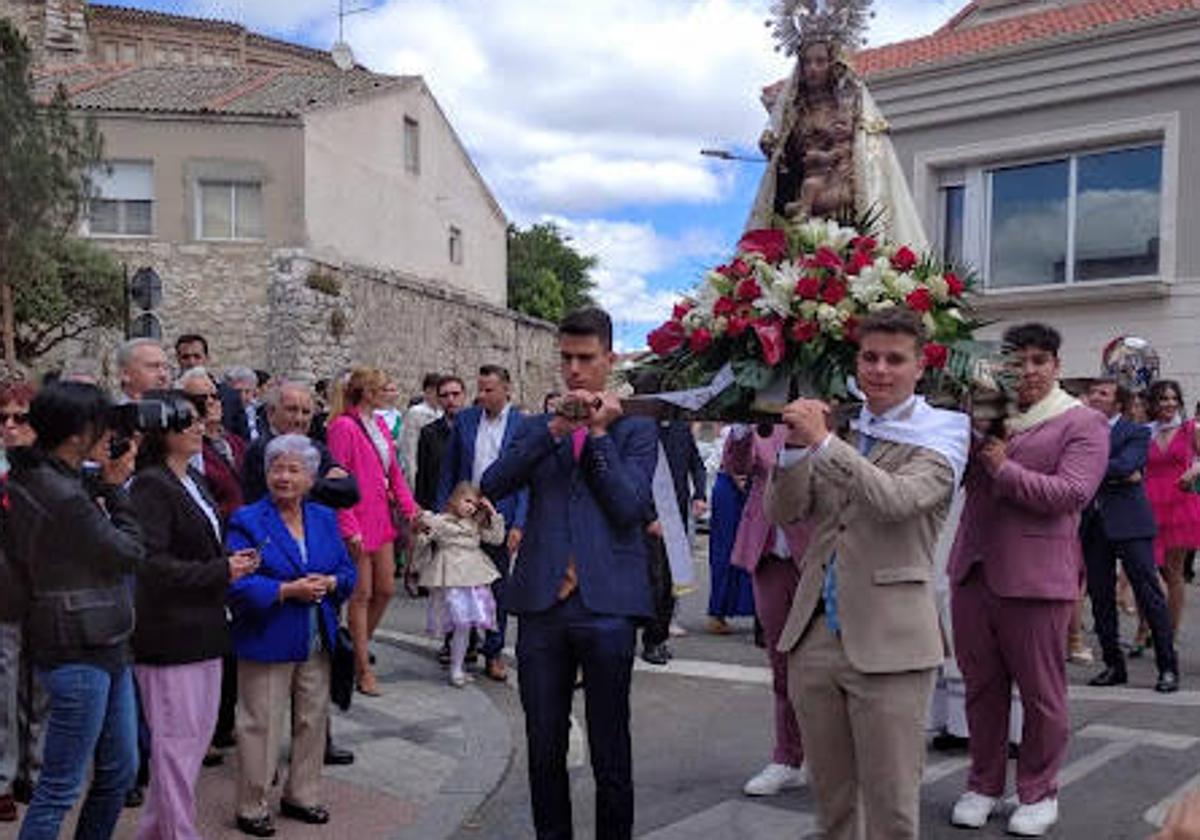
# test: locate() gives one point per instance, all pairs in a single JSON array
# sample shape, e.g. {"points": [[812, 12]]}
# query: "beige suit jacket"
{"points": [[881, 514]]}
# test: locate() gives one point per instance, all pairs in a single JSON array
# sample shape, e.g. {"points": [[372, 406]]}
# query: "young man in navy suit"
{"points": [[480, 434], [1120, 523], [581, 580]]}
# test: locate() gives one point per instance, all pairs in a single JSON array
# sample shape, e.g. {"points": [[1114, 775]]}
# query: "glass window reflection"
{"points": [[1117, 214], [1029, 225]]}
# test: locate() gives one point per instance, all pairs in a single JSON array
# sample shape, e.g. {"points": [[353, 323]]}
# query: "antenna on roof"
{"points": [[341, 53]]}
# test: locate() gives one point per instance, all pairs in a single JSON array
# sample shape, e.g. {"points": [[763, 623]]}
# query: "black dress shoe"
{"points": [[22, 791], [1168, 683], [213, 758], [1110, 676], [135, 798], [336, 756], [313, 814], [656, 654], [262, 826], [945, 742]]}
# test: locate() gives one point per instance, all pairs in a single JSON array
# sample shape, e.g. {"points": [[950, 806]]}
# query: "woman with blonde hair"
{"points": [[361, 443]]}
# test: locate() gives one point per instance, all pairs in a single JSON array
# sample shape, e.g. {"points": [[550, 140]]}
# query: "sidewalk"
{"points": [[427, 756]]}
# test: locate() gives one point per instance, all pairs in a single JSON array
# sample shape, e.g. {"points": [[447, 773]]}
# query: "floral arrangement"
{"points": [[786, 308]]}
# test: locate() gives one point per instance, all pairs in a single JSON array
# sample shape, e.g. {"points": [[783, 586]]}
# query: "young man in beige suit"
{"points": [[863, 635]]}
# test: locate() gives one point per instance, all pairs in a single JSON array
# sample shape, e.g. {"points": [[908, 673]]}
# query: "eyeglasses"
{"points": [[18, 417]]}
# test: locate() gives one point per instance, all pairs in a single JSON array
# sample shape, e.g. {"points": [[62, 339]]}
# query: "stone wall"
{"points": [[327, 317]]}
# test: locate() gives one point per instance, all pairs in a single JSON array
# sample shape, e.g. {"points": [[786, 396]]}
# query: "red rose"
{"points": [[739, 268], [667, 339], [700, 340], [834, 293], [904, 259], [748, 290], [803, 331], [936, 355], [724, 306], [858, 261], [920, 300], [808, 287], [864, 243], [770, 336], [851, 329], [828, 258], [737, 326], [769, 242], [956, 286], [682, 308]]}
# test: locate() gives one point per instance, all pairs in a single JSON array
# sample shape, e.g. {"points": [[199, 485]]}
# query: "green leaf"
{"points": [[753, 373]]}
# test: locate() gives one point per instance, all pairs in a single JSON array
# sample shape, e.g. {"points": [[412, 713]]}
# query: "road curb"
{"points": [[487, 754]]}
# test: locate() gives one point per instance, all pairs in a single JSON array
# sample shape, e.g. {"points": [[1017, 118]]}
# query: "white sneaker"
{"points": [[972, 810], [773, 779], [1035, 819], [1081, 656]]}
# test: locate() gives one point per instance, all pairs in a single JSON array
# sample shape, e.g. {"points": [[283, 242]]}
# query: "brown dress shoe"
{"points": [[497, 670], [8, 808]]}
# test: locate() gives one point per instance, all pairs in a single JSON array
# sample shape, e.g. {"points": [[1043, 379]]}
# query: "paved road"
{"points": [[701, 728]]}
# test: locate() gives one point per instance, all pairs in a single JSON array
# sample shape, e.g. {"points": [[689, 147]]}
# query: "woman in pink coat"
{"points": [[360, 442], [772, 555]]}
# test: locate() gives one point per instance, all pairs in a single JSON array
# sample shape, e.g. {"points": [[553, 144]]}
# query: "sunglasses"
{"points": [[18, 417]]}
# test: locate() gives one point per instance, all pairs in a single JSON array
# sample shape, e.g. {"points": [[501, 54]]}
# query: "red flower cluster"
{"points": [[904, 259], [936, 355], [956, 285], [770, 243], [667, 339]]}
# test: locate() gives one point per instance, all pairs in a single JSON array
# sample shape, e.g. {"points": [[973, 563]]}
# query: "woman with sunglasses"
{"points": [[181, 632]]}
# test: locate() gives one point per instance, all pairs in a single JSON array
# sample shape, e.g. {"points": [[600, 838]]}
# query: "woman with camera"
{"points": [[73, 546], [285, 624], [181, 631]]}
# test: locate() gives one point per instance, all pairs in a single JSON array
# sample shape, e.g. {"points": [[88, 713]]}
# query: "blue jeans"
{"points": [[92, 715]]}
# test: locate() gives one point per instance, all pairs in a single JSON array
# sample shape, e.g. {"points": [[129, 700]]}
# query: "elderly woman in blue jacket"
{"points": [[285, 620]]}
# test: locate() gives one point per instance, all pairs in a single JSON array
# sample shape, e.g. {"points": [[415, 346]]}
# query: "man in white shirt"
{"points": [[416, 419]]}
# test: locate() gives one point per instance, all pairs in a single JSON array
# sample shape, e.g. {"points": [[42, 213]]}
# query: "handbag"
{"points": [[341, 669]]}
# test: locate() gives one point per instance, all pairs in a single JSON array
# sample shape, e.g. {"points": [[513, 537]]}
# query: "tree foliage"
{"points": [[59, 286], [547, 277]]}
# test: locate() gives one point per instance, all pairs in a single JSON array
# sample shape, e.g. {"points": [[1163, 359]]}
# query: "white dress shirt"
{"points": [[489, 440]]}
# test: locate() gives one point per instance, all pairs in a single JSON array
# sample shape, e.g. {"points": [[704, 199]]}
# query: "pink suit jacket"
{"points": [[755, 456], [371, 517], [1021, 525]]}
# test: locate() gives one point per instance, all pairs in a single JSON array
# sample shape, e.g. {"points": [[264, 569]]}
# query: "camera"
{"points": [[137, 416]]}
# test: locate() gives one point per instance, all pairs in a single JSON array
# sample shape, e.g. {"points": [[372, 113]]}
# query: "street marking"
{"points": [[739, 818], [1089, 763], [1143, 737], [936, 772], [576, 745], [701, 669], [1143, 697], [1157, 814]]}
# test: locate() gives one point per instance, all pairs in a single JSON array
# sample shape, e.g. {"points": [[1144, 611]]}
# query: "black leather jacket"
{"points": [[72, 549]]}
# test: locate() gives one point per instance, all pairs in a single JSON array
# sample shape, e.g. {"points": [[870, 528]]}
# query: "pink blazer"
{"points": [[371, 518], [1021, 525], [754, 456]]}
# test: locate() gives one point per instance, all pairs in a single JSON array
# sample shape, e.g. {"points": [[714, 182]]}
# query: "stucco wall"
{"points": [[1042, 98], [363, 207], [186, 149]]}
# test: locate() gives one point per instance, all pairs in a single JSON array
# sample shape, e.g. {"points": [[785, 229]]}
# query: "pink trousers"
{"points": [[999, 641], [180, 705], [775, 584]]}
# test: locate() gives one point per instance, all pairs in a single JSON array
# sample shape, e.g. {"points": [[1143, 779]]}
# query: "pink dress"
{"points": [[1176, 511]]}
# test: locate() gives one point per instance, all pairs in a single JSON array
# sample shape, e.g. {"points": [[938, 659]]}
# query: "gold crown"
{"points": [[801, 22]]}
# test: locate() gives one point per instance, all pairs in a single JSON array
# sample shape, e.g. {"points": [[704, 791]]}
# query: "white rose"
{"points": [[938, 287], [808, 309]]}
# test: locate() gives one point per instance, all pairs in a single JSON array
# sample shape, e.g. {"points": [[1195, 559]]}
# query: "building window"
{"points": [[145, 325], [1070, 219], [954, 206], [229, 210], [122, 202], [456, 246], [412, 145]]}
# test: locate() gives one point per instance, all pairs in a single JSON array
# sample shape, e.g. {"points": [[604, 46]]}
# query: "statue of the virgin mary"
{"points": [[827, 143]]}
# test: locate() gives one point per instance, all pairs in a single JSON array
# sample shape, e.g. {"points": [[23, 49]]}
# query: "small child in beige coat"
{"points": [[450, 563]]}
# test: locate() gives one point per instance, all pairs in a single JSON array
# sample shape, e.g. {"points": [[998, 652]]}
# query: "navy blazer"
{"points": [[592, 510], [458, 463], [1121, 508], [266, 629]]}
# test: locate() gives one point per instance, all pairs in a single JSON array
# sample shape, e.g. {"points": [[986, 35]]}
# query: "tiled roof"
{"points": [[955, 41], [276, 92]]}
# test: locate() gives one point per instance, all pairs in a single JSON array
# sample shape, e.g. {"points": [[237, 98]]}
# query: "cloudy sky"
{"points": [[589, 113]]}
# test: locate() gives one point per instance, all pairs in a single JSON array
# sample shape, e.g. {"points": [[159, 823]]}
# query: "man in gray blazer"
{"points": [[863, 635]]}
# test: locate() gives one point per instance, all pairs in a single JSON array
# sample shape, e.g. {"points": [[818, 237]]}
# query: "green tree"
{"points": [[547, 277], [52, 286]]}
